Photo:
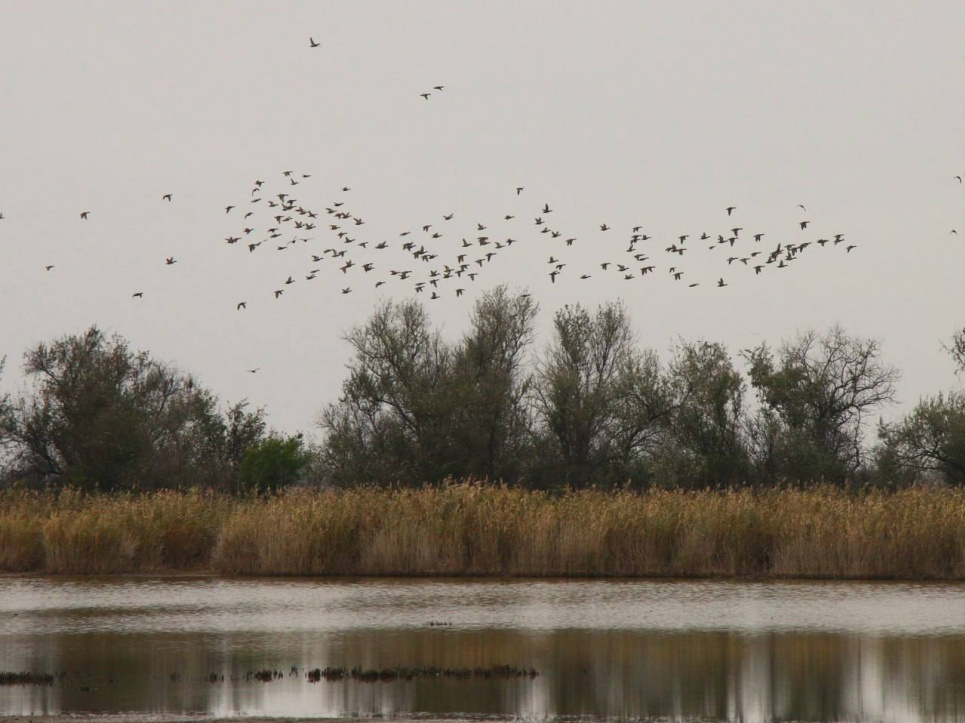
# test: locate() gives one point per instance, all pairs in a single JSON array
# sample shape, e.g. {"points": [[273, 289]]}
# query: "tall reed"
{"points": [[481, 529]]}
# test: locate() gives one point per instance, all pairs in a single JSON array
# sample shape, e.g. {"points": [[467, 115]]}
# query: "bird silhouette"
{"points": [[241, 305], [170, 260], [166, 197], [84, 214], [731, 209], [137, 295], [312, 42]]}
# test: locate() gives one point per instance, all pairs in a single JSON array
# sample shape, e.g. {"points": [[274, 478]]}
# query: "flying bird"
{"points": [[731, 209], [312, 42], [241, 305], [137, 295], [166, 197], [170, 260], [83, 214]]}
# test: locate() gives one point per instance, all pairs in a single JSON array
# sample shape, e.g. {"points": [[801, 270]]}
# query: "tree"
{"points": [[930, 440], [956, 349], [389, 424], [102, 416], [704, 446], [273, 463], [487, 387], [598, 397], [817, 393]]}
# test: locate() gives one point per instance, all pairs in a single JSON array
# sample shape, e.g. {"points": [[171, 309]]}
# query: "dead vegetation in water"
{"points": [[480, 529]]}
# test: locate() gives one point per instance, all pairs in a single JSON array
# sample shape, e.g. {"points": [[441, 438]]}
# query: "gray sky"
{"points": [[624, 113]]}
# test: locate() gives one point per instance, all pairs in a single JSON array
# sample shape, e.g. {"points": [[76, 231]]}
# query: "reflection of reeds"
{"points": [[476, 529], [387, 675], [24, 678]]}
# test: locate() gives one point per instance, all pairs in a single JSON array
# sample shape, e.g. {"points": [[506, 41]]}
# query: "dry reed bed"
{"points": [[476, 529]]}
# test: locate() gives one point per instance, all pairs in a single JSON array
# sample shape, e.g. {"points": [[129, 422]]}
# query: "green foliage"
{"points": [[272, 464], [929, 443], [705, 445], [415, 409], [600, 400], [100, 416]]}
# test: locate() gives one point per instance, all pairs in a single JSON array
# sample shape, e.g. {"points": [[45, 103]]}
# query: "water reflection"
{"points": [[604, 649]]}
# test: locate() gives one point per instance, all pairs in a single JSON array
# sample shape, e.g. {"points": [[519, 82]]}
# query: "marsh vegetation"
{"points": [[484, 529]]}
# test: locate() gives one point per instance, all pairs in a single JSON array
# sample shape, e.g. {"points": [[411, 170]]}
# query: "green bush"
{"points": [[273, 464]]}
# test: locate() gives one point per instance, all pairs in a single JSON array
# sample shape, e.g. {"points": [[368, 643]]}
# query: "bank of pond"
{"points": [[492, 530]]}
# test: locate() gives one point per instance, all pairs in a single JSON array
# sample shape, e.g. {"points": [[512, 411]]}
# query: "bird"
{"points": [[438, 87], [137, 295], [519, 190], [241, 305], [347, 290], [166, 197], [425, 95], [720, 283], [253, 371], [604, 227], [227, 209], [170, 260], [731, 209], [804, 224], [312, 42], [84, 214], [279, 292], [48, 268]]}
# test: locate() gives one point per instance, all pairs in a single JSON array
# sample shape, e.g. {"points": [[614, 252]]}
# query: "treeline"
{"points": [[588, 408]]}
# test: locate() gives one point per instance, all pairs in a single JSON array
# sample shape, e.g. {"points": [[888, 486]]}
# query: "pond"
{"points": [[714, 650]]}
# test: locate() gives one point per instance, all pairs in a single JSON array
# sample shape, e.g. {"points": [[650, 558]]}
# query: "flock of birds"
{"points": [[438, 259]]}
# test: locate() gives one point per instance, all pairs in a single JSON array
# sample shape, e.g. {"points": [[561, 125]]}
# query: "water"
{"points": [[604, 649]]}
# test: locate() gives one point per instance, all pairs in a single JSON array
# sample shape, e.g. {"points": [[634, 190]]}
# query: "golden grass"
{"points": [[477, 529]]}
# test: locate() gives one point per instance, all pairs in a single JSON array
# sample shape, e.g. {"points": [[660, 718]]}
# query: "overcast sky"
{"points": [[651, 114]]}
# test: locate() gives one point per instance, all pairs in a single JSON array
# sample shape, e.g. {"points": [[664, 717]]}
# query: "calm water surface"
{"points": [[605, 649]]}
